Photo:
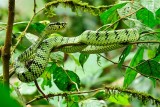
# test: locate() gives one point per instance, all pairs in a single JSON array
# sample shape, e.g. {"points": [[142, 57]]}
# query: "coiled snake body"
{"points": [[31, 63]]}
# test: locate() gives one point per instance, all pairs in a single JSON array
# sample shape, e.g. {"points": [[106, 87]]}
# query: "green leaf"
{"points": [[149, 68], [157, 56], [110, 13], [47, 75], [130, 74], [146, 17], [7, 101], [72, 100], [66, 80], [101, 95], [36, 27], [92, 103], [119, 99], [151, 5], [158, 51], [75, 60], [158, 16], [83, 58], [124, 54]]}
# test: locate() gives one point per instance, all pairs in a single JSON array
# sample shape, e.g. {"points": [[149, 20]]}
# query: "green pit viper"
{"points": [[32, 62]]}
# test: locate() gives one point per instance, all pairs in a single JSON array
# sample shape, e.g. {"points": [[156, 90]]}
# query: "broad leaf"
{"points": [[146, 17], [150, 37], [83, 58], [92, 103], [66, 80], [72, 100], [158, 16], [119, 99], [149, 68], [151, 5], [124, 54], [6, 100], [47, 75], [110, 13], [130, 74]]}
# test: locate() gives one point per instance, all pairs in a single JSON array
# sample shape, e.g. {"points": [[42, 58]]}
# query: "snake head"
{"points": [[56, 26]]}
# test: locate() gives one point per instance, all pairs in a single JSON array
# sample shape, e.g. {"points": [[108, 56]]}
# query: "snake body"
{"points": [[31, 64]]}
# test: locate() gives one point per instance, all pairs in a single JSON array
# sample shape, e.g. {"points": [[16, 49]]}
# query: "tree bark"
{"points": [[5, 52]]}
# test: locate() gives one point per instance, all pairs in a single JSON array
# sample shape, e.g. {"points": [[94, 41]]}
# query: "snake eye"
{"points": [[28, 63]]}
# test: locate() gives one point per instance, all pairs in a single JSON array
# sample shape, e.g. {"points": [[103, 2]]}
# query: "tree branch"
{"points": [[63, 94], [108, 90], [7, 44]]}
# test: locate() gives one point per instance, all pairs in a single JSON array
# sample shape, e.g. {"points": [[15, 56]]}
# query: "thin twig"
{"points": [[35, 5], [39, 89], [24, 32], [117, 63], [22, 100], [0, 51]]}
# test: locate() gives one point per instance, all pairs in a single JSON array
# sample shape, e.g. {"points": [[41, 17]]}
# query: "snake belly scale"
{"points": [[31, 64]]}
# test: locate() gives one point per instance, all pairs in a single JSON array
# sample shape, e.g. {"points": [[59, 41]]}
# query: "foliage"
{"points": [[64, 74]]}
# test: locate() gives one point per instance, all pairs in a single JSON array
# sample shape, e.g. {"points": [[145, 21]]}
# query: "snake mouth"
{"points": [[124, 43]]}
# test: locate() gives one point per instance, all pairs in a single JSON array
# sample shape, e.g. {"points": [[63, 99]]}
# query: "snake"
{"points": [[32, 63]]}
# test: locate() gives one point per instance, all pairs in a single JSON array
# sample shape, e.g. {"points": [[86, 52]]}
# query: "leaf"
{"points": [[101, 95], [149, 37], [75, 60], [36, 27], [129, 8], [146, 17], [92, 103], [158, 16], [151, 5], [130, 74], [119, 99], [47, 75], [57, 57], [64, 79], [124, 54], [7, 101], [157, 56], [110, 12], [149, 68], [72, 100], [83, 58], [158, 51]]}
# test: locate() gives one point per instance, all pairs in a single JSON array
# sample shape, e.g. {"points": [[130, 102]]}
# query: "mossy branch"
{"points": [[76, 5], [144, 97]]}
